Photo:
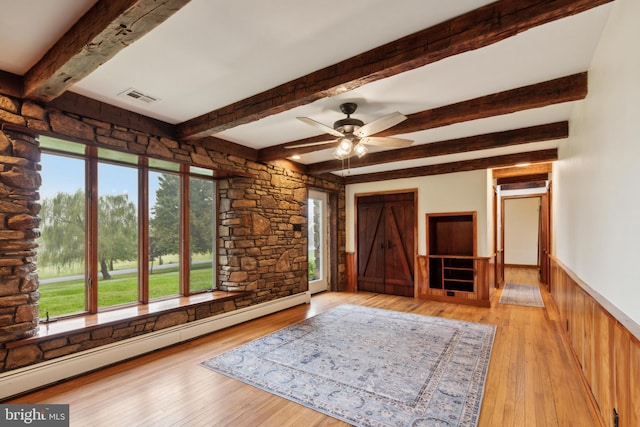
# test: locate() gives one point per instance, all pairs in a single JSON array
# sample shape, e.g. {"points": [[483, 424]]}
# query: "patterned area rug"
{"points": [[372, 367], [528, 295]]}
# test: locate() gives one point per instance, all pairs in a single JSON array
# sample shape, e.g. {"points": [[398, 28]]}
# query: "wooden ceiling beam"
{"points": [[461, 166], [551, 92], [10, 84], [487, 141], [107, 28], [478, 28], [563, 89]]}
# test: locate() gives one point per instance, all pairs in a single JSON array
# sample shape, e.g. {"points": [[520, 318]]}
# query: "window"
{"points": [[164, 234], [201, 233], [61, 255], [119, 229], [318, 242], [117, 234]]}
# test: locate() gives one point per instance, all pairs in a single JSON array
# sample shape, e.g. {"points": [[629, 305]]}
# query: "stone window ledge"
{"points": [[85, 323]]}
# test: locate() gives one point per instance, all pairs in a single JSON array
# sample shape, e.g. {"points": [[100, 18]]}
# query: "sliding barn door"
{"points": [[386, 250]]}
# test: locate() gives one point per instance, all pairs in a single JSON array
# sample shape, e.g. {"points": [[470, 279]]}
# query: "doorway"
{"points": [[525, 232], [521, 231], [318, 239]]}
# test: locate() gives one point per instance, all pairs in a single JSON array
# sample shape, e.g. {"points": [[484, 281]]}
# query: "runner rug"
{"points": [[528, 295], [371, 367]]}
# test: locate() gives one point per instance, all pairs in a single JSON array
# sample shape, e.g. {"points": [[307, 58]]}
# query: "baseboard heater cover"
{"points": [[31, 377]]}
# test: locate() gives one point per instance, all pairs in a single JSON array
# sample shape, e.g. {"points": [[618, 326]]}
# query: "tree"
{"points": [[63, 229], [117, 231], [165, 221], [201, 219], [165, 216], [64, 226]]}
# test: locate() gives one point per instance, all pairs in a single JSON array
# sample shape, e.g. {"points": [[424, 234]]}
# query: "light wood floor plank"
{"points": [[532, 379]]}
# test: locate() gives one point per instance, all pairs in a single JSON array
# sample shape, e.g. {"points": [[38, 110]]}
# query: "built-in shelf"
{"points": [[454, 272]]}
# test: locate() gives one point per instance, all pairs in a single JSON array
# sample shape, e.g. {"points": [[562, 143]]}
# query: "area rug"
{"points": [[371, 367], [528, 295]]}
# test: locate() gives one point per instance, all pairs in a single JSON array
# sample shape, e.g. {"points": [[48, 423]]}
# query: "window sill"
{"points": [[72, 325]]}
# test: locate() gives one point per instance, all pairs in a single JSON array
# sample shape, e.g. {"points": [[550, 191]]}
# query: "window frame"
{"points": [[92, 159], [321, 284]]}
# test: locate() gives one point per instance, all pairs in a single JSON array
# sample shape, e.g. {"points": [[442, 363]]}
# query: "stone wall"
{"points": [[19, 184], [43, 350], [262, 233], [262, 223]]}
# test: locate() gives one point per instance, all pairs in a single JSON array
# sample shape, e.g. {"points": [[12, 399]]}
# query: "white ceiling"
{"points": [[213, 53]]}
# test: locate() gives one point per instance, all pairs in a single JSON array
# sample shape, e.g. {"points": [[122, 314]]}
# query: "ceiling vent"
{"points": [[138, 95]]}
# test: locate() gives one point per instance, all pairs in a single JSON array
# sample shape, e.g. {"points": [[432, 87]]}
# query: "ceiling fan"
{"points": [[353, 135]]}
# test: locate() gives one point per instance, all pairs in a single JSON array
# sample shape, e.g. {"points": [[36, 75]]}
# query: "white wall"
{"points": [[596, 196], [521, 224], [525, 192], [454, 192]]}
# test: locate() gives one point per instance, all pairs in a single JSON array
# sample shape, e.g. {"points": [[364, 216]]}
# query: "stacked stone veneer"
{"points": [[43, 350], [19, 183], [262, 232]]}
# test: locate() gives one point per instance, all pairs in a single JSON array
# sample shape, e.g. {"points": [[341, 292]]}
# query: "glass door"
{"points": [[318, 242]]}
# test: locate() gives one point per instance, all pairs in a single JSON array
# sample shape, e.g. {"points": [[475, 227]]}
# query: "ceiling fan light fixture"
{"points": [[345, 145], [354, 135], [343, 149], [360, 149]]}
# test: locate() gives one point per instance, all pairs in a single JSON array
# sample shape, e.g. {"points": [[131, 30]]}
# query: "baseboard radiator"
{"points": [[31, 377]]}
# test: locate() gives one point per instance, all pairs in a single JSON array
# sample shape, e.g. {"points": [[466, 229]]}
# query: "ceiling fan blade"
{"points": [[322, 127], [378, 125], [311, 144], [387, 141]]}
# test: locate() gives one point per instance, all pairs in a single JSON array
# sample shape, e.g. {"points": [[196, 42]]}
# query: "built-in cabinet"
{"points": [[454, 272]]}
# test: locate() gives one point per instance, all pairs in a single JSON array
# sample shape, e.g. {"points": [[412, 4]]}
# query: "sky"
{"points": [[65, 174]]}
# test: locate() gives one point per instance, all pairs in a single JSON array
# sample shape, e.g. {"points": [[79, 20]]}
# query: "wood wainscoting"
{"points": [[606, 347], [351, 274]]}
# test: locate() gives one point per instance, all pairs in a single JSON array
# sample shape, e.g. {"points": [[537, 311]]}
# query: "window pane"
{"points": [[61, 255], [201, 234], [315, 239], [60, 145], [194, 170], [117, 235], [164, 234], [118, 156], [164, 165]]}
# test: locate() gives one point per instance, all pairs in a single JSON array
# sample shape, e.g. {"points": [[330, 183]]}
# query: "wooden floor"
{"points": [[532, 380]]}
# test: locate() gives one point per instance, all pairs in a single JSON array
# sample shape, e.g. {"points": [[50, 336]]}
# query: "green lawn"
{"points": [[68, 297]]}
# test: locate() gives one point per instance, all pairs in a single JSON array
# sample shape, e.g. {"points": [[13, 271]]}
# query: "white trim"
{"points": [[34, 376]]}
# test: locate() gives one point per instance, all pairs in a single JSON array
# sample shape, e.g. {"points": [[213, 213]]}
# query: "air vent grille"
{"points": [[138, 95]]}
